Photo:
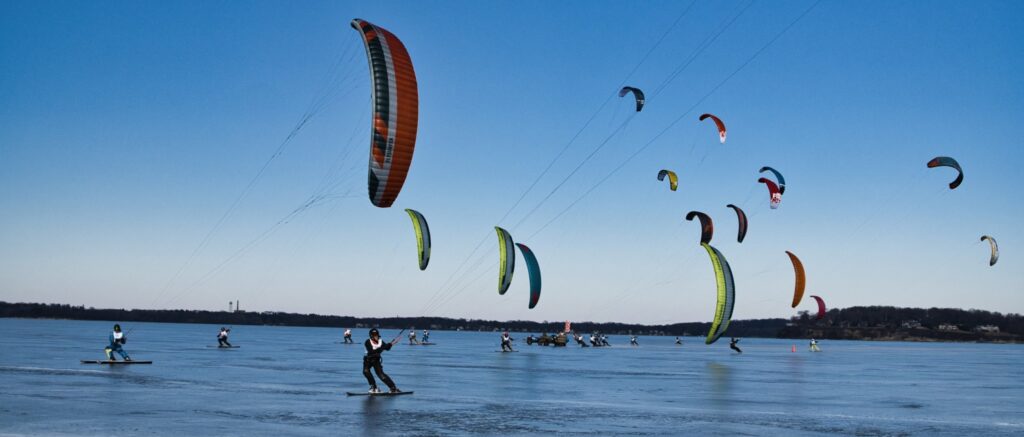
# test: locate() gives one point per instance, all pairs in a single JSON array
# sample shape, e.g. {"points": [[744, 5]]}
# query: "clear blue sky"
{"points": [[129, 129]]}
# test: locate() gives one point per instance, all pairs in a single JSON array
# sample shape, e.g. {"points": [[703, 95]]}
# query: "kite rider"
{"points": [[412, 337], [222, 337], [506, 342], [374, 347], [117, 338], [579, 340], [732, 344], [814, 346], [426, 336], [348, 336]]}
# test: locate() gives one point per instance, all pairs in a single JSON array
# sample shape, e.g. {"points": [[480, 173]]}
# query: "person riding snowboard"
{"points": [[117, 338], [374, 347], [222, 338], [579, 340], [732, 344], [506, 342]]}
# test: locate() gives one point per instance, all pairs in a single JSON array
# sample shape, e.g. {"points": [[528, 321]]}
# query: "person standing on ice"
{"points": [[412, 336], [506, 342], [732, 345], [222, 338], [117, 338], [372, 360], [348, 336]]}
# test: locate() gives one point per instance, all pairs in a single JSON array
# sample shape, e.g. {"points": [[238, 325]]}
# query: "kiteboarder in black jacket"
{"points": [[374, 347], [732, 344]]}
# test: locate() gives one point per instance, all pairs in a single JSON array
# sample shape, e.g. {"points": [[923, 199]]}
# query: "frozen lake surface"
{"points": [[291, 381]]}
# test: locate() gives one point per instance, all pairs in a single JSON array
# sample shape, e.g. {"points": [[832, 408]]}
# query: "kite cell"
{"points": [[639, 95], [419, 224], [995, 249], [718, 123], [945, 161], [778, 178], [773, 191], [801, 280], [821, 307], [707, 227], [741, 218], [395, 112], [534, 269], [507, 263], [673, 180], [726, 294]]}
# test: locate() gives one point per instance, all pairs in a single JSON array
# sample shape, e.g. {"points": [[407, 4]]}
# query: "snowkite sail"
{"points": [[995, 249], [726, 294], [718, 123], [395, 112], [945, 161], [419, 224], [821, 307], [801, 280], [778, 178], [707, 227], [639, 95], [673, 180], [773, 191], [741, 218], [507, 262], [534, 269]]}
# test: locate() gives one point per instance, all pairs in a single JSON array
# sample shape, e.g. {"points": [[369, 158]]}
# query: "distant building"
{"points": [[911, 324], [987, 328], [948, 327]]}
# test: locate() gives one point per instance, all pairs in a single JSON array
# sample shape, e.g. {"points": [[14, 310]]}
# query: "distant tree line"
{"points": [[745, 328], [854, 323], [892, 323]]}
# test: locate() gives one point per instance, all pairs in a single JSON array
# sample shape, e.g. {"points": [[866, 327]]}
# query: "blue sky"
{"points": [[128, 130]]}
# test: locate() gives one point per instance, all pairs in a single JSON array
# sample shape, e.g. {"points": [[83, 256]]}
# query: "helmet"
{"points": [[117, 327], [374, 331]]}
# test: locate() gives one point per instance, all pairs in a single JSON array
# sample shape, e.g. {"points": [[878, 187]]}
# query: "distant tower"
{"points": [[231, 305], [238, 306]]}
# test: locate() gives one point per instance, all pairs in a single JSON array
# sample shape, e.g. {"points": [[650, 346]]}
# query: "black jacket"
{"points": [[375, 353]]}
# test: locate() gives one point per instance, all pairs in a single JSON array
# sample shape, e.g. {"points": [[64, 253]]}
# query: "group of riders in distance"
{"points": [[375, 346]]}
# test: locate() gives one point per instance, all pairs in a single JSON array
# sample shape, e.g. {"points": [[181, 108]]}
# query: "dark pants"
{"points": [[223, 342], [506, 345], [733, 346], [375, 363], [348, 339]]}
